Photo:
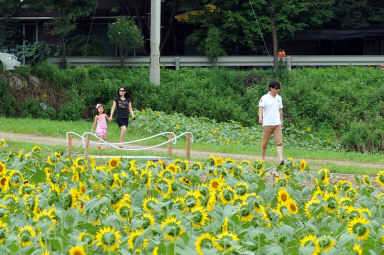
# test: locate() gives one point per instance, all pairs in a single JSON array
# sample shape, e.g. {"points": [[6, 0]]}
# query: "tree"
{"points": [[126, 36], [66, 13], [10, 33], [244, 24]]}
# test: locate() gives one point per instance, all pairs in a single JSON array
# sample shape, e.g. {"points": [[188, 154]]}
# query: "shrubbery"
{"points": [[344, 102]]}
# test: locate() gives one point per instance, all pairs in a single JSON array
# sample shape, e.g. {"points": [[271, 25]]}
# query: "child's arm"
{"points": [[94, 123]]}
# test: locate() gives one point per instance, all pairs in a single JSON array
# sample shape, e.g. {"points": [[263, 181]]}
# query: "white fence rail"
{"points": [[233, 61]]}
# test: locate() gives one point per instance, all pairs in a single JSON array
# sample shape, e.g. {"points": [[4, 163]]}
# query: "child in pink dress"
{"points": [[101, 120]]}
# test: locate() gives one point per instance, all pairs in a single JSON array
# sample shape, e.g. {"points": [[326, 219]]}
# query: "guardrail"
{"points": [[230, 61]]}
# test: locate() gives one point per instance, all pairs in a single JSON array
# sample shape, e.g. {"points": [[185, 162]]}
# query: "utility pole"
{"points": [[154, 75]]}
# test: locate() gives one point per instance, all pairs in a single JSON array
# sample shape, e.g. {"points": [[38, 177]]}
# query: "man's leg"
{"points": [[267, 131], [278, 135]]}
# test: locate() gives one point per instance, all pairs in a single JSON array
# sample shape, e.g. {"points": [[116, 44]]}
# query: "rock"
{"points": [[33, 81], [17, 81]]}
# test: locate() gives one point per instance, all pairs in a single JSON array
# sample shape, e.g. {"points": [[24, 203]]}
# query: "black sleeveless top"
{"points": [[122, 108]]}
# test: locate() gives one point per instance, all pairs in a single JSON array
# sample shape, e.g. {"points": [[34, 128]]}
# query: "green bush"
{"points": [[1, 67], [38, 52], [331, 101]]}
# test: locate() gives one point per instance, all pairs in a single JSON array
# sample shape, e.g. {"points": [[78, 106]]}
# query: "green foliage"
{"points": [[1, 67], [213, 44], [79, 45], [38, 52], [125, 35]]}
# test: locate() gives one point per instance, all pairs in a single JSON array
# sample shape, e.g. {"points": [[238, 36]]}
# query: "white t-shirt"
{"points": [[271, 110]]}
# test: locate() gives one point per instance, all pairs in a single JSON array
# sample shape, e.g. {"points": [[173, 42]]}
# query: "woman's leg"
{"points": [[123, 130]]}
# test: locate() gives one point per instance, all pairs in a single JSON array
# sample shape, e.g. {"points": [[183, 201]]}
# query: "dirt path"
{"points": [[50, 140]]}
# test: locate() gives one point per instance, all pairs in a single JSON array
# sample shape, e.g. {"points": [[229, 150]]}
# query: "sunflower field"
{"points": [[208, 131], [60, 205]]}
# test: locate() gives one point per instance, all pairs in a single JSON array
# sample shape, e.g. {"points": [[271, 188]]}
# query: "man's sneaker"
{"points": [[282, 162]]}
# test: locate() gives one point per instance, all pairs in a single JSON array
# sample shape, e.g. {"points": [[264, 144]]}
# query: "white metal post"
{"points": [[154, 75]]}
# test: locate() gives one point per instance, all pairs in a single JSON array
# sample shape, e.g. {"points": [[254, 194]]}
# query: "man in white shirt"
{"points": [[271, 118]]}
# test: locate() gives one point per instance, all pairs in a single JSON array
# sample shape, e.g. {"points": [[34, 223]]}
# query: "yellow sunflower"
{"points": [[227, 195], [324, 244], [197, 166], [359, 227], [148, 204], [186, 181], [366, 179], [310, 206], [204, 241], [245, 212], [307, 240], [192, 199], [77, 250], [148, 220], [292, 206], [199, 217], [303, 165], [86, 238], [124, 211], [171, 228], [46, 217], [179, 203], [219, 161], [331, 202], [36, 150], [357, 250], [3, 169], [26, 235], [224, 241], [3, 231], [216, 184], [108, 239], [2, 143], [173, 168], [133, 240], [241, 188], [4, 183], [46, 252], [380, 178], [113, 162], [282, 195], [146, 178], [164, 187], [323, 176]]}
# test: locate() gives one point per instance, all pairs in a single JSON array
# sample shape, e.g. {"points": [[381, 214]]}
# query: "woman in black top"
{"points": [[122, 104]]}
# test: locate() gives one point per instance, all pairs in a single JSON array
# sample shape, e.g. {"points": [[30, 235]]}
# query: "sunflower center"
{"points": [[324, 242], [284, 197], [197, 217], [228, 195], [332, 203], [206, 243], [3, 181], [167, 175], [87, 238], [241, 190], [174, 230], [24, 237], [359, 229], [109, 238], [225, 242], [244, 211], [215, 184], [190, 202], [203, 191], [125, 211]]}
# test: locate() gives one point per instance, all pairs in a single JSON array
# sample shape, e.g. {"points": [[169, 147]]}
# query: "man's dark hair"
{"points": [[274, 84]]}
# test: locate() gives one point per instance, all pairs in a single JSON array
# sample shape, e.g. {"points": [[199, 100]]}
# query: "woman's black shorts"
{"points": [[122, 122]]}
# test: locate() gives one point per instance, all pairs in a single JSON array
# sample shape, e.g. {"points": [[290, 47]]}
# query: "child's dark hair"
{"points": [[127, 95], [97, 108]]}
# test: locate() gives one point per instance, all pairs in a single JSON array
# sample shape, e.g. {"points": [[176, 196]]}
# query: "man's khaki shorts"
{"points": [[277, 132]]}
